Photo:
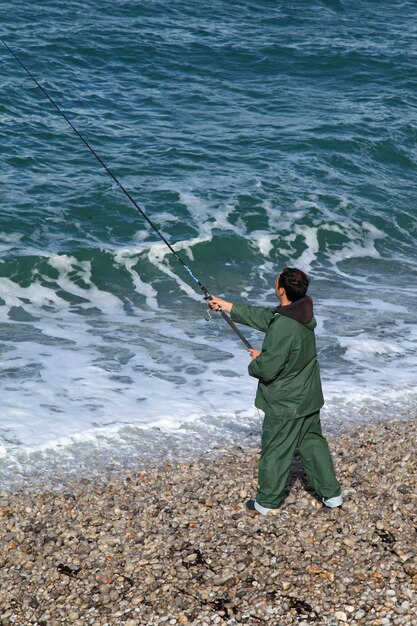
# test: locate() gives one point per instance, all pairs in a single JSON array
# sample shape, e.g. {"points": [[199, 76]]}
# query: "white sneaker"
{"points": [[254, 508], [333, 503]]}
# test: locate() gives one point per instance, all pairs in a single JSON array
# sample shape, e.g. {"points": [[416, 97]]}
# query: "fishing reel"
{"points": [[208, 315]]}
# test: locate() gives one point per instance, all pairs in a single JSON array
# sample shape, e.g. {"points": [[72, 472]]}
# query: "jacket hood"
{"points": [[301, 311]]}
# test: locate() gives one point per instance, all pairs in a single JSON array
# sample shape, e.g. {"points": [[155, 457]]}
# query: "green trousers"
{"points": [[280, 440]]}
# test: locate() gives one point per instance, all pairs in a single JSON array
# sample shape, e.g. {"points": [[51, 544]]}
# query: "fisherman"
{"points": [[289, 392]]}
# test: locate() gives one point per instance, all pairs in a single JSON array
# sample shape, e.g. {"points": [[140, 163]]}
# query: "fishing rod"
{"points": [[207, 295]]}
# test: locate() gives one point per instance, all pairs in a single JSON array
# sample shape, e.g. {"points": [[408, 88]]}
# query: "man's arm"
{"points": [[269, 364], [258, 317], [254, 316]]}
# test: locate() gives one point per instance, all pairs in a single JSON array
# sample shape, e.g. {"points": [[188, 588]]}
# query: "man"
{"points": [[289, 392]]}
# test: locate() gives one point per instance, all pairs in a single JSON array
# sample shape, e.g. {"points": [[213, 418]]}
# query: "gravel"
{"points": [[173, 545]]}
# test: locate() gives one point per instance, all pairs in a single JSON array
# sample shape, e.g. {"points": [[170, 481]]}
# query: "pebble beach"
{"points": [[173, 544]]}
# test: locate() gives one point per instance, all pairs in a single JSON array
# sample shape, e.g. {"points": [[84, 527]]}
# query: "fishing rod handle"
{"points": [[237, 331]]}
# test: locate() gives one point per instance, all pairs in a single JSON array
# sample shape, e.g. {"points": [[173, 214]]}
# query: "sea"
{"points": [[254, 136]]}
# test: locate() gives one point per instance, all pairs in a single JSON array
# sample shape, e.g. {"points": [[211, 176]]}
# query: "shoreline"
{"points": [[172, 544], [38, 469]]}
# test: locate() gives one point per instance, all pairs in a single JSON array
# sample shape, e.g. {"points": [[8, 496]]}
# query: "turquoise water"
{"points": [[255, 135]]}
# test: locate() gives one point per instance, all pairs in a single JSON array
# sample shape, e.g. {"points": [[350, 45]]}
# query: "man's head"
{"points": [[291, 285]]}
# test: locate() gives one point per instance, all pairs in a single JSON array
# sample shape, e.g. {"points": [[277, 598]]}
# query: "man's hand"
{"points": [[254, 353], [217, 304]]}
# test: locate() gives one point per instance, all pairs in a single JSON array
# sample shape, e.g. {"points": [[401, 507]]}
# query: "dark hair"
{"points": [[295, 283]]}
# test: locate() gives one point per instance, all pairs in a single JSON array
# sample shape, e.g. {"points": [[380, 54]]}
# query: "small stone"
{"points": [[410, 566], [341, 616], [114, 595], [191, 558]]}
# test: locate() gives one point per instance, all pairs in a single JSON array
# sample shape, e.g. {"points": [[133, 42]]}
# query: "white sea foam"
{"points": [[287, 232], [30, 298], [305, 204], [361, 345], [305, 261], [263, 241], [70, 269], [371, 303], [10, 238], [127, 259]]}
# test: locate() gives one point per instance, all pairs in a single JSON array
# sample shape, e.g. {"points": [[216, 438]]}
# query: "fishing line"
{"points": [[204, 289]]}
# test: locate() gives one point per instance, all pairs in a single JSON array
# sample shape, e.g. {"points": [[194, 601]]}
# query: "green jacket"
{"points": [[287, 369]]}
